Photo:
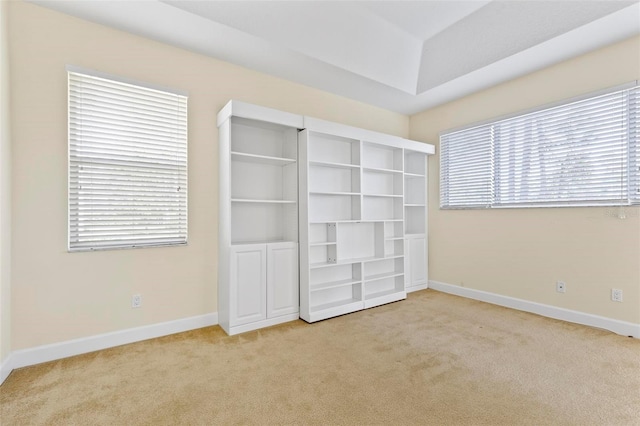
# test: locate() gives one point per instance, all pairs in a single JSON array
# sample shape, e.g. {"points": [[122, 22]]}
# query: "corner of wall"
{"points": [[5, 192]]}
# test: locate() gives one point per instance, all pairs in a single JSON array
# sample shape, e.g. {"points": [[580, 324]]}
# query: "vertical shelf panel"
{"points": [[415, 220], [258, 222]]}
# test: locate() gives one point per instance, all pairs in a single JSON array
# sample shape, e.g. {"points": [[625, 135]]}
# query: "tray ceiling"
{"points": [[404, 56]]}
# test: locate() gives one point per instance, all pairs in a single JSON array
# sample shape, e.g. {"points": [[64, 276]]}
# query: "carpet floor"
{"points": [[431, 359]]}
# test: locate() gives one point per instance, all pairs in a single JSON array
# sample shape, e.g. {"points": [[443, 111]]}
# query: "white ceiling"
{"points": [[404, 56]]}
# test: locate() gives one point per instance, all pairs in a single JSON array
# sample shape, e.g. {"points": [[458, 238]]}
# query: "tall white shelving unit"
{"points": [[356, 218], [415, 224], [317, 219], [258, 280]]}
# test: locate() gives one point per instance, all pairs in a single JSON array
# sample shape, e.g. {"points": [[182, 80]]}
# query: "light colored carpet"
{"points": [[432, 359]]}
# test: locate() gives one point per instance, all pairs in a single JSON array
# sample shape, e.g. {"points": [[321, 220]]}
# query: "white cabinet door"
{"points": [[416, 261], [248, 284], [282, 279]]}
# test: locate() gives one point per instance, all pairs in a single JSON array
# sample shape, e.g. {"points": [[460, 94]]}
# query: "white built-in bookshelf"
{"points": [[317, 219], [415, 214], [353, 217], [258, 268]]}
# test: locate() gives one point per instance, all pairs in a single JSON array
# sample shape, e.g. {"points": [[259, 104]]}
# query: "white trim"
{"points": [[345, 131], [417, 287], [55, 351], [125, 80], [235, 108], [619, 327], [237, 329], [6, 368]]}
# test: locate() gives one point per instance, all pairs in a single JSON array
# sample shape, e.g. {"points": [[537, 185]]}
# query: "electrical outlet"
{"points": [[616, 295], [136, 301], [561, 286]]}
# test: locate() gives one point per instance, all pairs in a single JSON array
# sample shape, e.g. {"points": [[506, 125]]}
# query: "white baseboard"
{"points": [[40, 354], [619, 327], [6, 367], [417, 287]]}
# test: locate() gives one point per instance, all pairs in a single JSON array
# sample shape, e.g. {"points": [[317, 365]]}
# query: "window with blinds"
{"points": [[581, 153], [127, 165]]}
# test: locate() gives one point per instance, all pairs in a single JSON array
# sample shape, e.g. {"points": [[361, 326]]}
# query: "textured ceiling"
{"points": [[400, 55]]}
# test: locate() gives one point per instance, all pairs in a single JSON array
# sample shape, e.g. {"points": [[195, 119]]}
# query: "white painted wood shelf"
{"points": [[353, 209], [258, 279]]}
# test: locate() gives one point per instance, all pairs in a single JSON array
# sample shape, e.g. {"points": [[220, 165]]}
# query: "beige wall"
{"points": [[523, 252], [5, 189], [58, 295]]}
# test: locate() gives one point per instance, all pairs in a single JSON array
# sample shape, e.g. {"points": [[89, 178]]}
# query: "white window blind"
{"points": [[466, 168], [127, 165], [582, 153]]}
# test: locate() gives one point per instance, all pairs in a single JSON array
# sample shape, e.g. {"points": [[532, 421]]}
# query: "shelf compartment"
{"points": [[333, 207], [263, 222], [384, 267], [394, 247], [382, 195], [261, 159], [382, 157], [333, 284], [415, 220], [383, 293], [322, 233], [321, 244], [316, 222], [346, 303], [415, 191], [356, 241], [263, 139], [334, 165], [334, 180], [333, 193], [380, 208], [325, 148], [325, 253], [337, 272], [415, 163], [261, 181], [354, 260], [383, 276], [379, 170], [384, 286], [393, 230], [335, 297]]}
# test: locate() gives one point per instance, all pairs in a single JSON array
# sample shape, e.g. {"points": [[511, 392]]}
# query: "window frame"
{"points": [[629, 201], [128, 179]]}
